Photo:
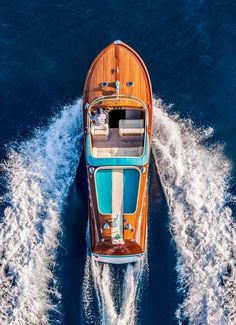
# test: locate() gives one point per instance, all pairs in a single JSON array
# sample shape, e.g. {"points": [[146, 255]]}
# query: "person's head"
{"points": [[100, 110]]}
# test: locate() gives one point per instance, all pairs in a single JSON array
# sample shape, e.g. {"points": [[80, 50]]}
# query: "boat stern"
{"points": [[118, 259], [119, 252]]}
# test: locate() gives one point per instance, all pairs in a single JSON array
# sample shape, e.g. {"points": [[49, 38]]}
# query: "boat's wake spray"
{"points": [[117, 291], [195, 177], [39, 173]]}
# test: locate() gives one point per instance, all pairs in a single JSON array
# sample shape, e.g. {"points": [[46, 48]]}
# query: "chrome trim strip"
{"points": [[118, 259]]}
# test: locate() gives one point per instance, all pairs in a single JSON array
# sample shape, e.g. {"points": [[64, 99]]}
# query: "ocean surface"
{"points": [[46, 274]]}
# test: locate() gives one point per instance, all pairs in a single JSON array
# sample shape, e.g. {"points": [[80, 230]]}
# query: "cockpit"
{"points": [[117, 127]]}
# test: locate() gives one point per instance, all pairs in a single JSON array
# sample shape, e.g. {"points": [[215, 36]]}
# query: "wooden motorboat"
{"points": [[117, 119]]}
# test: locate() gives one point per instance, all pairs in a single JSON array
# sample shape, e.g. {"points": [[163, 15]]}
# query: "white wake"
{"points": [[195, 176], [117, 294], [103, 278], [39, 174]]}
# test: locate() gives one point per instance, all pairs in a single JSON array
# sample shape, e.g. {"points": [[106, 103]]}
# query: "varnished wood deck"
{"points": [[119, 62]]}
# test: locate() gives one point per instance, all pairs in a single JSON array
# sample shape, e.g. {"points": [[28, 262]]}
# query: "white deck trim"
{"points": [[118, 259]]}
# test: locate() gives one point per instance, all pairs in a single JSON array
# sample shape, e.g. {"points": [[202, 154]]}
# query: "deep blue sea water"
{"points": [[46, 48]]}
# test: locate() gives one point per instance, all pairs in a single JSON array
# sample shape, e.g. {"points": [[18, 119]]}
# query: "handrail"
{"points": [[117, 97]]}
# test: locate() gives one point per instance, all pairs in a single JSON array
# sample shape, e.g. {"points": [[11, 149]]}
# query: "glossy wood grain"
{"points": [[122, 63], [118, 62]]}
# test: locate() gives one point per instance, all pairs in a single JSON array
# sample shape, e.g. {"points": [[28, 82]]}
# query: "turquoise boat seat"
{"points": [[117, 190]]}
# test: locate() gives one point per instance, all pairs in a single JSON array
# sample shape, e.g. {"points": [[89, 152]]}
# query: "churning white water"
{"points": [[39, 173], [195, 176], [104, 279]]}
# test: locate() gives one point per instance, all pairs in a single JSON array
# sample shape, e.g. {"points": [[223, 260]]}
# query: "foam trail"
{"points": [[103, 279], [39, 173], [195, 177]]}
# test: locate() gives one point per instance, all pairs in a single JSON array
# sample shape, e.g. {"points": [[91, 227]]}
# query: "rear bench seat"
{"points": [[131, 129], [117, 152]]}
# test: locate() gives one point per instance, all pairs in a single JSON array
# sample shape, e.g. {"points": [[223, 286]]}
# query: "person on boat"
{"points": [[100, 117]]}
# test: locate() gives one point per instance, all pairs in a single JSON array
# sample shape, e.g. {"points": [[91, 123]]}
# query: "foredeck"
{"points": [[118, 62]]}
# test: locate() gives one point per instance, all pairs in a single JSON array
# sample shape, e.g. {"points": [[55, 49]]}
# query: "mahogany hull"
{"points": [[118, 62]]}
